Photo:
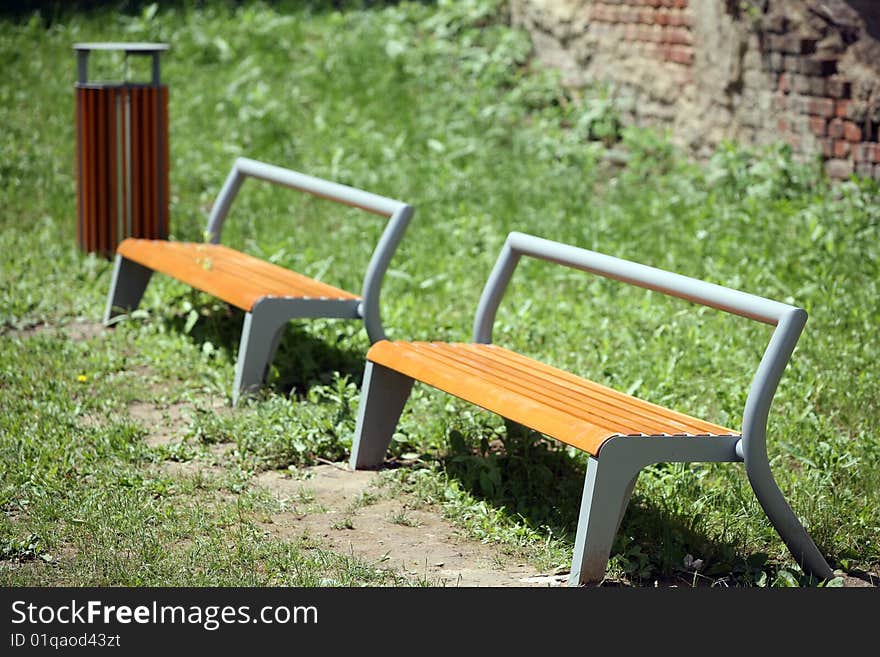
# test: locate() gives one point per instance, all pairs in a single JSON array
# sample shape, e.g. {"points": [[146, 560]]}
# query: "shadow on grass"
{"points": [[302, 360], [535, 478]]}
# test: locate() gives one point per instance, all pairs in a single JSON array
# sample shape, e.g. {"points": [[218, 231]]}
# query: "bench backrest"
{"points": [[398, 213], [789, 320]]}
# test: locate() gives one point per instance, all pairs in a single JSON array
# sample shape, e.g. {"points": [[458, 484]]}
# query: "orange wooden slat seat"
{"points": [[563, 406], [269, 295], [235, 277]]}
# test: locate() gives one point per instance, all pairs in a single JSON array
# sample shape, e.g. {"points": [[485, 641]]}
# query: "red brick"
{"points": [[684, 19], [784, 84], [863, 152], [782, 125], [875, 153], [681, 55], [817, 126], [841, 108], [851, 131], [841, 148], [680, 4], [827, 146], [820, 107], [794, 141], [839, 169], [662, 17], [678, 35], [835, 128]]}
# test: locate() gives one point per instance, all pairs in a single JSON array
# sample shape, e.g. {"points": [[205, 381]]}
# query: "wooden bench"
{"points": [[270, 295], [620, 433]]}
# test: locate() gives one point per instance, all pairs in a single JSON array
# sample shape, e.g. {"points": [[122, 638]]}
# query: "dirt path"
{"points": [[387, 531], [350, 513]]}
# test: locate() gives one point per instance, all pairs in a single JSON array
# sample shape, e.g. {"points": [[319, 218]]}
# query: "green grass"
{"points": [[441, 106]]}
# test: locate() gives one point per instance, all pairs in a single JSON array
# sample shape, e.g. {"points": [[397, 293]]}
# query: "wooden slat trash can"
{"points": [[121, 153]]}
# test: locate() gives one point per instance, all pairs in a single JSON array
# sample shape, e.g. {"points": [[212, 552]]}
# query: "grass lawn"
{"points": [[440, 105]]}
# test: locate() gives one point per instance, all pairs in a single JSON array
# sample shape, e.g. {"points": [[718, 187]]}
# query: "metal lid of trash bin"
{"points": [[135, 48], [140, 47]]}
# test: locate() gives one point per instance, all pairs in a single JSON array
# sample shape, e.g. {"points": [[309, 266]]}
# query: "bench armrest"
{"points": [[788, 320], [398, 213]]}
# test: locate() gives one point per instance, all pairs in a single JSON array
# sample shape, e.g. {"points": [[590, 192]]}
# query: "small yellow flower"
{"points": [[82, 378]]}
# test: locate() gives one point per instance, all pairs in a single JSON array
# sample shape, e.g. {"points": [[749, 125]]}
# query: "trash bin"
{"points": [[121, 153]]}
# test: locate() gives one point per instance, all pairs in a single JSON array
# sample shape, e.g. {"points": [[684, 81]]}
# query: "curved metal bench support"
{"points": [[265, 322], [752, 448], [398, 213]]}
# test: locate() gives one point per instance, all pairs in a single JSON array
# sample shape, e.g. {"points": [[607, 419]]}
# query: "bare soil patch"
{"points": [[165, 423], [389, 531], [79, 330]]}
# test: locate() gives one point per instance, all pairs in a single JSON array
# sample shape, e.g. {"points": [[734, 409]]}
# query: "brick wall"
{"points": [[814, 102], [720, 69]]}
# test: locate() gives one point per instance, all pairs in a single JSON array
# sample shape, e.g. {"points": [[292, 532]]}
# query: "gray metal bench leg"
{"points": [[127, 287], [607, 489], [273, 348], [785, 521], [259, 338], [383, 395]]}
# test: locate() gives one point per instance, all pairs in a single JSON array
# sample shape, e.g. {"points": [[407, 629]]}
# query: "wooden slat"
{"points": [[234, 277], [91, 207], [112, 196], [525, 385], [126, 164], [101, 169], [262, 275], [78, 118], [556, 403], [150, 178], [595, 391], [166, 165], [137, 183]]}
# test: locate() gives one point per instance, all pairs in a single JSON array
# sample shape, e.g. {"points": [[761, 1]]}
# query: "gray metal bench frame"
{"points": [[265, 323], [612, 474]]}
